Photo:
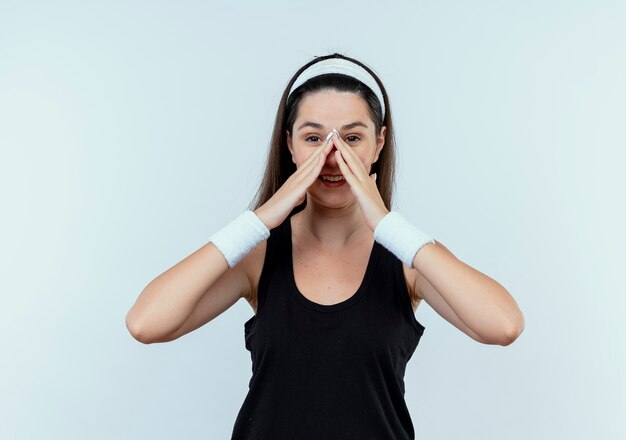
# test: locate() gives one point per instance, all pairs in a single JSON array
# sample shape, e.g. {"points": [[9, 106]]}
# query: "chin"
{"points": [[332, 201]]}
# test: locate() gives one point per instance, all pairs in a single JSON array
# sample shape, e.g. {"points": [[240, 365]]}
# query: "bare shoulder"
{"points": [[252, 264], [410, 277]]}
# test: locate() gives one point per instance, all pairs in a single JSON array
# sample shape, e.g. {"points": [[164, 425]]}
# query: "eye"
{"points": [[317, 137], [353, 136]]}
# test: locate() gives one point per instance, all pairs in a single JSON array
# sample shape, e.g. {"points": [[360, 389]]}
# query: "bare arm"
{"points": [[469, 299], [202, 286], [167, 303]]}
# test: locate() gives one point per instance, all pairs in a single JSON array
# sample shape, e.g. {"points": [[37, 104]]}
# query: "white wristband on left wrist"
{"points": [[400, 237]]}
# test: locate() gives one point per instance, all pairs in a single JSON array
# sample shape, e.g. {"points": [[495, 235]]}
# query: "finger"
{"points": [[350, 157], [337, 137], [345, 169], [326, 142], [326, 149], [318, 150], [312, 172], [328, 145], [312, 158], [311, 163]]}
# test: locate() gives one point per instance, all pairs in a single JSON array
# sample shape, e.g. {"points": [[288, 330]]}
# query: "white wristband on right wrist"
{"points": [[400, 237], [240, 236]]}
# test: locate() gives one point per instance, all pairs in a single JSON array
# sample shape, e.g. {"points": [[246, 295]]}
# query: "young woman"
{"points": [[332, 273]]}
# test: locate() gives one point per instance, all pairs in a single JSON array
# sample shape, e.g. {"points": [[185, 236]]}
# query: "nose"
{"points": [[330, 157]]}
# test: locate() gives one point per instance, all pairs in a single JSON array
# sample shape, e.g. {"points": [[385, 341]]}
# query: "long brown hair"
{"points": [[279, 166]]}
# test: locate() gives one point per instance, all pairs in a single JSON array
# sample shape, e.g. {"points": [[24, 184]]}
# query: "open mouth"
{"points": [[332, 178], [332, 181]]}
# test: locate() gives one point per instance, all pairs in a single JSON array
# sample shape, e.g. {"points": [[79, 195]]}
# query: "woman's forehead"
{"points": [[336, 108]]}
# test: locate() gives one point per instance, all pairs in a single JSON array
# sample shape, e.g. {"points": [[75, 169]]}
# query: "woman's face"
{"points": [[318, 114]]}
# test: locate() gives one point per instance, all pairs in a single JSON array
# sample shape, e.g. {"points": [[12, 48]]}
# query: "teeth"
{"points": [[333, 179]]}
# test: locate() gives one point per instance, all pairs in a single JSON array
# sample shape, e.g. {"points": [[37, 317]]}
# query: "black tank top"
{"points": [[328, 372]]}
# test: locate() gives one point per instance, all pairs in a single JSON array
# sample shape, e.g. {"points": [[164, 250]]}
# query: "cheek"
{"points": [[363, 156], [303, 156], [298, 155]]}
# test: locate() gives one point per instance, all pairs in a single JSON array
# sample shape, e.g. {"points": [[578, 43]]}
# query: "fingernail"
{"points": [[330, 135], [336, 133]]}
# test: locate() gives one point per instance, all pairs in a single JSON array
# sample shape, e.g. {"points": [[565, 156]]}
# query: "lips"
{"points": [[331, 184], [332, 175]]}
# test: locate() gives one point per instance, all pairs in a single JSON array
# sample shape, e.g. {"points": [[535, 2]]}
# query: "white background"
{"points": [[131, 131]]}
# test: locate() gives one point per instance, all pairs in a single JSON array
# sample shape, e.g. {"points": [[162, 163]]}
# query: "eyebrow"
{"points": [[320, 126]]}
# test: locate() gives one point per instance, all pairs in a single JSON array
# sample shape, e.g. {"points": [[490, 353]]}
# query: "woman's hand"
{"points": [[362, 185], [293, 191]]}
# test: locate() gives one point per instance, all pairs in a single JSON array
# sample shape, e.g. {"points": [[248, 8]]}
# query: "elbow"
{"points": [[507, 334], [513, 331], [135, 329]]}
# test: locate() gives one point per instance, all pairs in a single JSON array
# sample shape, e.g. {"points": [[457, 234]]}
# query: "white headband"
{"points": [[340, 65]]}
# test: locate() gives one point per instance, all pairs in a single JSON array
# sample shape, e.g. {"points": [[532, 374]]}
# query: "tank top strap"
{"points": [[274, 251], [403, 292]]}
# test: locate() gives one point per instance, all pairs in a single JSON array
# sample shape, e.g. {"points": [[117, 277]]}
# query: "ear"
{"points": [[380, 142], [290, 145]]}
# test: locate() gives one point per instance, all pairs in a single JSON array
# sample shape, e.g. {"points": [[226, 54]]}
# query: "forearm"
{"points": [[479, 301], [168, 300]]}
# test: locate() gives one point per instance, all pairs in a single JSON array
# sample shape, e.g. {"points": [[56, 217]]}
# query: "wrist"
{"points": [[240, 236], [400, 237]]}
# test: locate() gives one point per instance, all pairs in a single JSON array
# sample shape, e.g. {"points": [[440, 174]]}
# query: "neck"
{"points": [[333, 227]]}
